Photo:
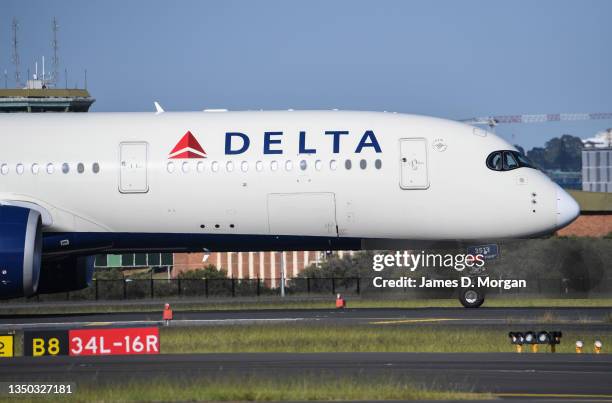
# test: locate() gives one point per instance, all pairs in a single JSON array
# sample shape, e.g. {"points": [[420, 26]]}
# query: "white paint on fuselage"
{"points": [[464, 200]]}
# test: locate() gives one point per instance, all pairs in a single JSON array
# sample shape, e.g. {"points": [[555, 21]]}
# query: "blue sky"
{"points": [[453, 59]]}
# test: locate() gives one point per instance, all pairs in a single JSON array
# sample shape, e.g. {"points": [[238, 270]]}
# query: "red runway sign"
{"points": [[135, 340]]}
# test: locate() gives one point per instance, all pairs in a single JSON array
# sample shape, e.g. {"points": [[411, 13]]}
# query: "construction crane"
{"points": [[493, 121]]}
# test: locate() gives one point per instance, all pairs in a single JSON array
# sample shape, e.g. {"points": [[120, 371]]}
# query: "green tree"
{"points": [[209, 272], [560, 153], [537, 155], [109, 273], [358, 265]]}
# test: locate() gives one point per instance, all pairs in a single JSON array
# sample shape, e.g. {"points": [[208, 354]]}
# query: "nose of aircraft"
{"points": [[567, 208]]}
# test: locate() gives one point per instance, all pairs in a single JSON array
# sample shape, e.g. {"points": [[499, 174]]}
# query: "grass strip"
{"points": [[297, 338], [252, 388], [301, 338]]}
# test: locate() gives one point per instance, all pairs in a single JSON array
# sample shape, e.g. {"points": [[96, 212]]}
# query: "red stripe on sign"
{"points": [[116, 341]]}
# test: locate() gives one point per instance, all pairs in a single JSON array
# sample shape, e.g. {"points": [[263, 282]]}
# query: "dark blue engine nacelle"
{"points": [[69, 273], [20, 251]]}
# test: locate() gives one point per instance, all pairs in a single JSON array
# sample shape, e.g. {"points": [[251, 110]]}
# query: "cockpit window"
{"points": [[524, 161], [494, 161], [510, 161], [506, 160]]}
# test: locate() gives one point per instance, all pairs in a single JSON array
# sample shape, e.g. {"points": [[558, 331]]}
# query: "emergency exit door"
{"points": [[133, 167], [413, 164]]}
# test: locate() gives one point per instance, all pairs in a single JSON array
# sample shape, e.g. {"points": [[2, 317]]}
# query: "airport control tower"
{"points": [[41, 92]]}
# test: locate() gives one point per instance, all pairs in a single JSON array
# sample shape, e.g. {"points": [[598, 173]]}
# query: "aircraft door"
{"points": [[413, 164], [133, 167]]}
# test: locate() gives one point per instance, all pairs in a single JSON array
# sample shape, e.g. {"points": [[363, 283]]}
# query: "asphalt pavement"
{"points": [[593, 318], [504, 374]]}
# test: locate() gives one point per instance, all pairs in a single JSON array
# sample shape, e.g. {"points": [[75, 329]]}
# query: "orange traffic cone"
{"points": [[167, 314], [340, 302]]}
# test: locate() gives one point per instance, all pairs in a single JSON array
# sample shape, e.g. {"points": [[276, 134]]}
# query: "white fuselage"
{"points": [[426, 180]]}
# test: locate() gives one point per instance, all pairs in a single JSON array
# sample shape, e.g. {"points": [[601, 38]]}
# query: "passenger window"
{"points": [[494, 161], [35, 169], [244, 166], [378, 164], [259, 166], [4, 169], [303, 165], [363, 164], [95, 167], [65, 168], [273, 165], [333, 165], [348, 164], [80, 168], [169, 167], [19, 169], [50, 168], [288, 165], [318, 165], [214, 166], [509, 161], [185, 167], [229, 166], [200, 166]]}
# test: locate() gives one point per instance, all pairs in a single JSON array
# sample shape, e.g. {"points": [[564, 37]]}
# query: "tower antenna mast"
{"points": [[16, 61], [55, 46]]}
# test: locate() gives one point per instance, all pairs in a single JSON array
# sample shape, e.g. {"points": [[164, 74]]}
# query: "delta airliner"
{"points": [[76, 185]]}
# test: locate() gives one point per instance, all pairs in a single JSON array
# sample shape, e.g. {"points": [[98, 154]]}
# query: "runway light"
{"points": [[517, 339], [552, 338], [514, 339], [543, 338], [597, 346], [579, 345], [530, 338]]}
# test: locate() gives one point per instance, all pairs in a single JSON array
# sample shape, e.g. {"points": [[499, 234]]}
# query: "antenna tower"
{"points": [[16, 61], [55, 46]]}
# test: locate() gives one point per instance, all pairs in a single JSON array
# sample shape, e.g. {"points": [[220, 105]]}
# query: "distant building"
{"points": [[597, 169], [239, 265], [263, 265], [44, 100], [134, 260], [597, 163], [566, 179]]}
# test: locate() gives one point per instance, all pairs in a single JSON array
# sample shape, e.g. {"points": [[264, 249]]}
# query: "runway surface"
{"points": [[594, 318], [509, 375], [506, 374]]}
